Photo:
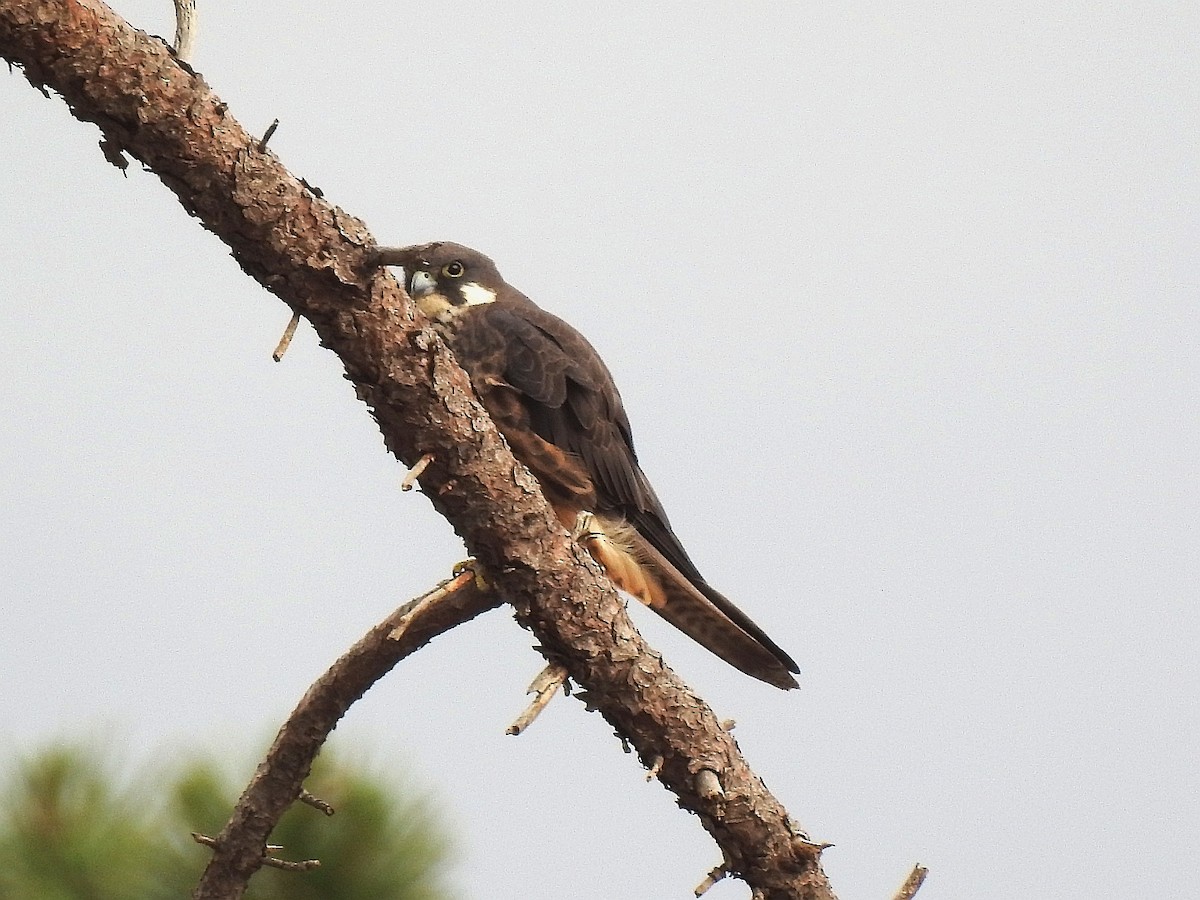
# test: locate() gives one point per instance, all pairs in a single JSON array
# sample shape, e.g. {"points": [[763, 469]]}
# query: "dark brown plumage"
{"points": [[555, 402]]}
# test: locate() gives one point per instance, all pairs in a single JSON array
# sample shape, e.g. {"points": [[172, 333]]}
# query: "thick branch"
{"points": [[315, 258]]}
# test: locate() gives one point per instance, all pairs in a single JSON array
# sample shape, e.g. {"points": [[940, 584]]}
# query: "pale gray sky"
{"points": [[903, 303]]}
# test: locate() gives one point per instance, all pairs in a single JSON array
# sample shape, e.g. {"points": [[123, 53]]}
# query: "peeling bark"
{"points": [[316, 258]]}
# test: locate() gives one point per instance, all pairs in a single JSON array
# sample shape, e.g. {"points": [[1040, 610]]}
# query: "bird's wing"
{"points": [[573, 404]]}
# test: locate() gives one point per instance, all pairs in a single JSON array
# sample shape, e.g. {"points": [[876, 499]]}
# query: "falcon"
{"points": [[555, 402]]}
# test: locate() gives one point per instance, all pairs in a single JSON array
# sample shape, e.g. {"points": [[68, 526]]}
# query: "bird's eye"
{"points": [[453, 269]]}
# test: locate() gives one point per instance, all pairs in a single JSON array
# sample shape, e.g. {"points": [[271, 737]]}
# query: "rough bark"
{"points": [[316, 258]]}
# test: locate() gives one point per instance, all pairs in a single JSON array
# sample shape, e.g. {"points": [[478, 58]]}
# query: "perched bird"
{"points": [[553, 399]]}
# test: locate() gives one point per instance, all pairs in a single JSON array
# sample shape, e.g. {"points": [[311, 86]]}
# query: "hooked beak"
{"points": [[420, 284]]}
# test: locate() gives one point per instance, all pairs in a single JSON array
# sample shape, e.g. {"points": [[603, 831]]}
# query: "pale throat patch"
{"points": [[436, 306]]}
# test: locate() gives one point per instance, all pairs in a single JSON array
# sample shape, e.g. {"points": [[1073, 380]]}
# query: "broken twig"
{"points": [[410, 477], [262, 144], [315, 802], [185, 30], [712, 878], [912, 883], [281, 347], [286, 865], [544, 686], [425, 602]]}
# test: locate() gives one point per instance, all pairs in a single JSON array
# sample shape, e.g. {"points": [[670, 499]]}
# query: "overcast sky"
{"points": [[902, 299]]}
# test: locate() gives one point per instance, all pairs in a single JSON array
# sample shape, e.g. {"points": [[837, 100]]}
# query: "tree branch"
{"points": [[280, 776], [317, 259], [912, 883]]}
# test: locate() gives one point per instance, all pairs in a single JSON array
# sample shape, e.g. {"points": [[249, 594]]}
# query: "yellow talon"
{"points": [[472, 565]]}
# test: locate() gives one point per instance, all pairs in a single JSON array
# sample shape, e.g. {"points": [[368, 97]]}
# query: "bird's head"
{"points": [[448, 279]]}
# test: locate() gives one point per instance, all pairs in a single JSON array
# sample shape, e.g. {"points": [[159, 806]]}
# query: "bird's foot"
{"points": [[473, 566], [587, 529], [623, 568]]}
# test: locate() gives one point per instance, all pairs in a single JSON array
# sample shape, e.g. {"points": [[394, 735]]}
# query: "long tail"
{"points": [[700, 612]]}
